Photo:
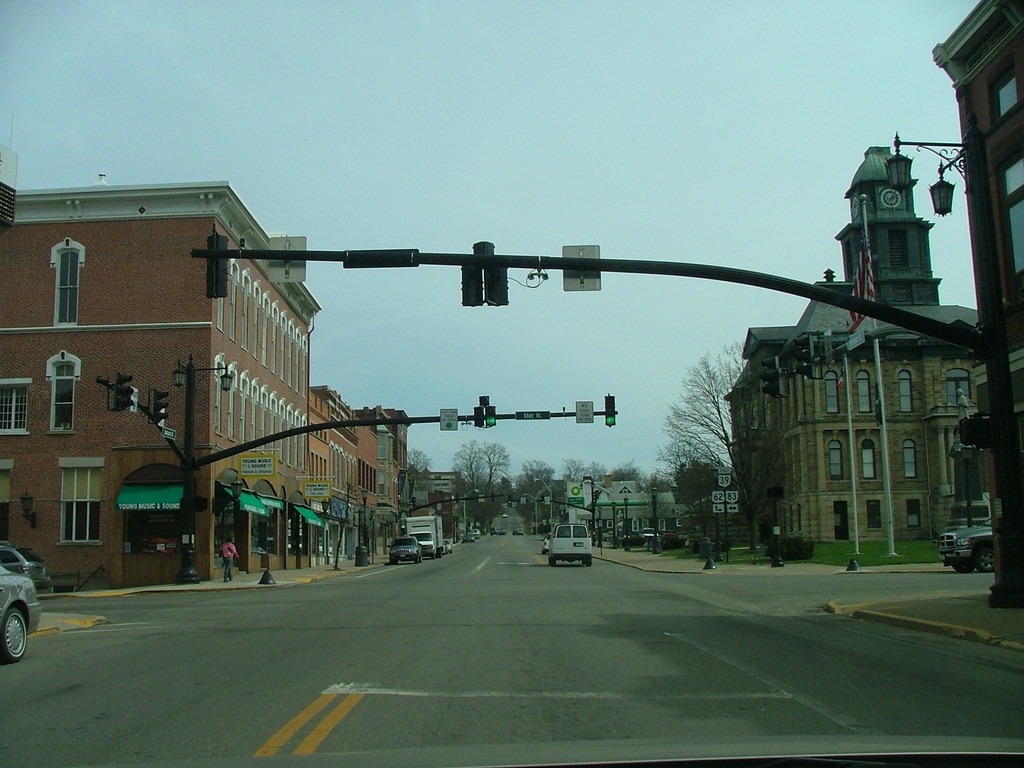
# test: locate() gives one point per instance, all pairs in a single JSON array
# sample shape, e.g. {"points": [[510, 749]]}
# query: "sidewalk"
{"points": [[55, 620], [965, 615]]}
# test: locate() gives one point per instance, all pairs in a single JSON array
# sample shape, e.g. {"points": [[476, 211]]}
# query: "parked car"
{"points": [[469, 538], [447, 546], [517, 532], [968, 548], [405, 548], [25, 561], [20, 611]]}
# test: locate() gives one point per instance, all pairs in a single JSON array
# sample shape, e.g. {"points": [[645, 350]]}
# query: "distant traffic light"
{"points": [[805, 356], [158, 406], [490, 416], [772, 377], [609, 411], [480, 412], [216, 268], [124, 393]]}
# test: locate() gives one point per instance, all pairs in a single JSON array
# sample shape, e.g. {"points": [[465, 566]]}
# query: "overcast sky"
{"points": [[715, 132]]}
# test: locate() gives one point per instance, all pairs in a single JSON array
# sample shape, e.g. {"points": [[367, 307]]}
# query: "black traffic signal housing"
{"points": [[490, 416], [158, 406], [805, 356], [976, 431], [772, 377], [609, 411], [124, 392], [216, 268], [472, 286], [480, 412], [484, 284]]}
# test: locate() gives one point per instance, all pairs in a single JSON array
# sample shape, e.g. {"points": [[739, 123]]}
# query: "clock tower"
{"points": [[898, 237]]}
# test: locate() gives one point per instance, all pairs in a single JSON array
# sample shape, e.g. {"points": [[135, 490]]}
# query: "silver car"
{"points": [[21, 611]]}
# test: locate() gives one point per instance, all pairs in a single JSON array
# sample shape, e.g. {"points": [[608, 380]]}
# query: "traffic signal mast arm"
{"points": [[958, 332], [305, 429]]}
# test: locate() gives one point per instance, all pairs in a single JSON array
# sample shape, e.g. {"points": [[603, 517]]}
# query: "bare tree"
{"points": [[482, 468], [702, 433]]}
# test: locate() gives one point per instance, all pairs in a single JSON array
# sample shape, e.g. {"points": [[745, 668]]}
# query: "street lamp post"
{"points": [[970, 159], [185, 376], [362, 556]]}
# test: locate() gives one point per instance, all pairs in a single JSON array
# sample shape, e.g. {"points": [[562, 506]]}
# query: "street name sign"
{"points": [[532, 415]]}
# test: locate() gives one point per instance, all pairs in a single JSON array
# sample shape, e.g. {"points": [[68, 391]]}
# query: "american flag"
{"points": [[863, 283]]}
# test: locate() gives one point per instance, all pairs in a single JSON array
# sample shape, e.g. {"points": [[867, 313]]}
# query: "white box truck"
{"points": [[430, 533]]}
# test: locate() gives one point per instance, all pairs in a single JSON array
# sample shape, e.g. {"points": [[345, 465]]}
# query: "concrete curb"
{"points": [[72, 622], [866, 612]]}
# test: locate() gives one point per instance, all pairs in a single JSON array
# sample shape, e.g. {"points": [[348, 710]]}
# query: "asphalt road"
{"points": [[491, 646]]}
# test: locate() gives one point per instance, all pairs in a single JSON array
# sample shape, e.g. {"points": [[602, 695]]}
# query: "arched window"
{"points": [[863, 392], [909, 458], [867, 459], [957, 379], [831, 392], [66, 257], [218, 398], [906, 400], [63, 370], [835, 460]]}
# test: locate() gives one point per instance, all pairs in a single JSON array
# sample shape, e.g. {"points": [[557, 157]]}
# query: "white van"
{"points": [[570, 541]]}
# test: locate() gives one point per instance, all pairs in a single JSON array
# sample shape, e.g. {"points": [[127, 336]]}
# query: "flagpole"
{"points": [[853, 453], [866, 282], [886, 473]]}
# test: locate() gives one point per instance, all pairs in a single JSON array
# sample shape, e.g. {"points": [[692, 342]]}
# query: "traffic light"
{"points": [[804, 354], [976, 431], [609, 410], [479, 412], [216, 268], [772, 377], [158, 406], [490, 416], [472, 286], [124, 393]]}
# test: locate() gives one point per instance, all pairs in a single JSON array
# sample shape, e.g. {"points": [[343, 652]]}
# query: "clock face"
{"points": [[855, 206], [890, 198]]}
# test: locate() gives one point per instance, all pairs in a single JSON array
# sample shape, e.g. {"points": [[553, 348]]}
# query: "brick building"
{"points": [[982, 57], [98, 281]]}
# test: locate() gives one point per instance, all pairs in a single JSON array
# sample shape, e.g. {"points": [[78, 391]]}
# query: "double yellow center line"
{"points": [[319, 732]]}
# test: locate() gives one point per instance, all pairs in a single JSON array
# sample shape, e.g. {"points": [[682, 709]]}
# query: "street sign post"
{"points": [[584, 411], [449, 419]]}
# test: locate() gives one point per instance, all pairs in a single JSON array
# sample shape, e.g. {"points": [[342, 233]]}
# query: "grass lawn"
{"points": [[873, 553], [839, 553]]}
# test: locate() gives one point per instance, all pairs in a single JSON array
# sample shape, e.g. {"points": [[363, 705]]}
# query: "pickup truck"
{"points": [[968, 548]]}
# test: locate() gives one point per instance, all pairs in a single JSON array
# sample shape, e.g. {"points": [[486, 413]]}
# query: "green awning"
{"points": [[309, 514], [149, 497], [271, 502], [250, 502]]}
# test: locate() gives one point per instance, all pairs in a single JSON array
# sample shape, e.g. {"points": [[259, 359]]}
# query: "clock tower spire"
{"points": [[898, 237]]}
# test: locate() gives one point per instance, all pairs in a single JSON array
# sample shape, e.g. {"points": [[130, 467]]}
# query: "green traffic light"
{"points": [[609, 421], [490, 421]]}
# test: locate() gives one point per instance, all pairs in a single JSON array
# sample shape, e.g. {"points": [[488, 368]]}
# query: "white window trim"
{"points": [[62, 357], [67, 245]]}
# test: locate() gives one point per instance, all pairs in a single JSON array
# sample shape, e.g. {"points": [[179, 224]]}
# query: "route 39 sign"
{"points": [[724, 477]]}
